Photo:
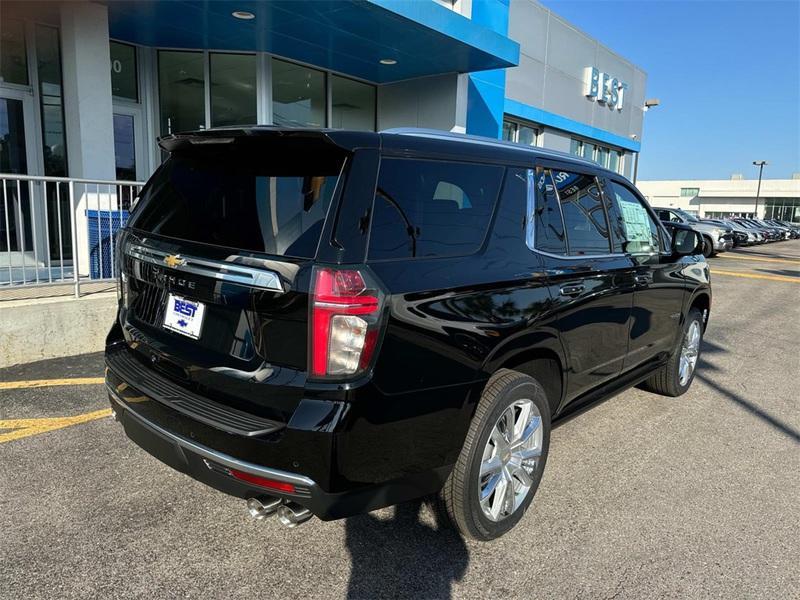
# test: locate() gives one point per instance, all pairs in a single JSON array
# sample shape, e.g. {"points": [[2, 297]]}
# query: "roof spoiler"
{"points": [[347, 140]]}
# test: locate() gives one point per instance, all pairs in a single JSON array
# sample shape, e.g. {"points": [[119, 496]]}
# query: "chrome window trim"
{"points": [[220, 270], [582, 256]]}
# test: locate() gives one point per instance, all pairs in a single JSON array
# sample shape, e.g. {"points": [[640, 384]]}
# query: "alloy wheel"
{"points": [[690, 350], [510, 459]]}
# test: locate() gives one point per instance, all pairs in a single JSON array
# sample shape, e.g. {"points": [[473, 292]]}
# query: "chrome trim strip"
{"points": [[223, 459], [580, 256], [220, 270]]}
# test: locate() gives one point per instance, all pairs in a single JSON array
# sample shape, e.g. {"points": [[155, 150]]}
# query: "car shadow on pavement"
{"points": [[752, 408], [704, 368], [403, 557], [781, 272]]}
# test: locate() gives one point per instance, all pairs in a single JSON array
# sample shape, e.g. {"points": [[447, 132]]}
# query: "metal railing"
{"points": [[61, 230]]}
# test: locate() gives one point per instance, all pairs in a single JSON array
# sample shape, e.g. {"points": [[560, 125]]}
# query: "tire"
{"points": [[708, 247], [459, 500], [667, 380]]}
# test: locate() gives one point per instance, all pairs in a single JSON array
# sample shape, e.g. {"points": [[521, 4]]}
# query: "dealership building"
{"points": [[734, 197], [87, 88]]}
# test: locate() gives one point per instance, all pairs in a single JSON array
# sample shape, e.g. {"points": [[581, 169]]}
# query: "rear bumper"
{"points": [[210, 455]]}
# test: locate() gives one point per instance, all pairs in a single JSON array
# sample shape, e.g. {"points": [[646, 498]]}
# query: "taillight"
{"points": [[345, 319]]}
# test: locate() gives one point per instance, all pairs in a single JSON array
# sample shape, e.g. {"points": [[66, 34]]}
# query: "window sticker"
{"points": [[637, 223]]}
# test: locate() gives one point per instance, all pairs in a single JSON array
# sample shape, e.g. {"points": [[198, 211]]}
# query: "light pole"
{"points": [[760, 164], [648, 104]]}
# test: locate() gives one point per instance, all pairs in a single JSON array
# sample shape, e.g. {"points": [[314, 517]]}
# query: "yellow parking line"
{"points": [[753, 276], [737, 256], [22, 428], [35, 383]]}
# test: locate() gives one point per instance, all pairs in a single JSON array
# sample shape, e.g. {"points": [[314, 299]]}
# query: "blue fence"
{"points": [[103, 226]]}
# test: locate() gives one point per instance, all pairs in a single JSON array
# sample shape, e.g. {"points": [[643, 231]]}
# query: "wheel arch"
{"points": [[701, 301], [546, 367]]}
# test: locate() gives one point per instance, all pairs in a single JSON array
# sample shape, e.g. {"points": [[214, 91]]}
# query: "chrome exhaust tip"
{"points": [[292, 514], [262, 509]]}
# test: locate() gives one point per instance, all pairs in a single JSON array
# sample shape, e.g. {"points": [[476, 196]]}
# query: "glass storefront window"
{"points": [[48, 55], [233, 89], [521, 134], [181, 90], [124, 82], [13, 157], [613, 161], [526, 135], [298, 95], [576, 147], [509, 129], [13, 58], [784, 209], [602, 156], [353, 104], [124, 147]]}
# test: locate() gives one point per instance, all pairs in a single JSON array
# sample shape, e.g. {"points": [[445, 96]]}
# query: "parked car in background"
{"points": [[738, 238], [780, 232], [771, 234], [744, 236], [794, 228], [716, 238], [326, 322], [788, 232]]}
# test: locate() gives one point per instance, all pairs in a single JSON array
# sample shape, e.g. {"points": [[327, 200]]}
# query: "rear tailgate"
{"points": [[217, 263]]}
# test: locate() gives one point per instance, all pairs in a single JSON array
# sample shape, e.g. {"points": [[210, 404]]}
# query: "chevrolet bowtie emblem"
{"points": [[174, 260]]}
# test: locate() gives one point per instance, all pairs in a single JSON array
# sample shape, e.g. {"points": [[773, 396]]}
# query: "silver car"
{"points": [[716, 238]]}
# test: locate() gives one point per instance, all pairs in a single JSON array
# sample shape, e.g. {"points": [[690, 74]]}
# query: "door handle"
{"points": [[572, 290], [641, 279]]}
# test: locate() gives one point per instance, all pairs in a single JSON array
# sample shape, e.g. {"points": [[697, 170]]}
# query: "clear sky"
{"points": [[727, 74]]}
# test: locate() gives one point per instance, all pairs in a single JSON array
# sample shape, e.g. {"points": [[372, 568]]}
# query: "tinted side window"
{"points": [[431, 208], [639, 229], [548, 226], [584, 216]]}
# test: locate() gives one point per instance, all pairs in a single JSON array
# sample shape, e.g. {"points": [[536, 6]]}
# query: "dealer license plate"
{"points": [[184, 316]]}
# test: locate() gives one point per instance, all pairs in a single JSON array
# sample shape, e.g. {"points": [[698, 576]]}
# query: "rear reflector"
{"points": [[269, 484]]}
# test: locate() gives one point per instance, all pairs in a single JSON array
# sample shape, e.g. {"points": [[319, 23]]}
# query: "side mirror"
{"points": [[686, 242]]}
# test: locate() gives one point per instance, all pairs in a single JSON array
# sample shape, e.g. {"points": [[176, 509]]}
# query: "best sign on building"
{"points": [[604, 88]]}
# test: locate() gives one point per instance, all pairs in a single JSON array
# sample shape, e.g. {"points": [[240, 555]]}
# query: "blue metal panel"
{"points": [[347, 36], [487, 89], [543, 117]]}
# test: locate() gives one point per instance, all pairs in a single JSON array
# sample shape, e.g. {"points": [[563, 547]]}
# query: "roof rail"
{"points": [[486, 141]]}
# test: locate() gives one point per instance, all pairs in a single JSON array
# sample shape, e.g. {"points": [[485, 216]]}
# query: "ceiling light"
{"points": [[243, 15], [388, 61]]}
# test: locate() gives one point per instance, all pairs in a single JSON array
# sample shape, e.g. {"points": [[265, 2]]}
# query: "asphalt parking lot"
{"points": [[643, 496]]}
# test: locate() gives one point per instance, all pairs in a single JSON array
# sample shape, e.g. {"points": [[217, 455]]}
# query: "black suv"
{"points": [[328, 322]]}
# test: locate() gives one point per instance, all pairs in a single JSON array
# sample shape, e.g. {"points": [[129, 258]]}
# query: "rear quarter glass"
{"points": [[432, 208]]}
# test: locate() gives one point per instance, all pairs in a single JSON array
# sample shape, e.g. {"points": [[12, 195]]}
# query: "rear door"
{"points": [[659, 284], [591, 286]]}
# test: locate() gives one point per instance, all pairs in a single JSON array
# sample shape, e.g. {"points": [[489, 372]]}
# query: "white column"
{"points": [[87, 90], [88, 111]]}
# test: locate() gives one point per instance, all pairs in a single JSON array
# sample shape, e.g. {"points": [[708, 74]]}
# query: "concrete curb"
{"points": [[32, 330]]}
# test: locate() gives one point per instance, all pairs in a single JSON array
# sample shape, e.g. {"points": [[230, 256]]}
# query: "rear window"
{"points": [[262, 201], [426, 208]]}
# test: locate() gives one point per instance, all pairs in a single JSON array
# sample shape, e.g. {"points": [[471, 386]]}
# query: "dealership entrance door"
{"points": [[18, 156]]}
